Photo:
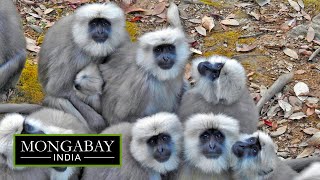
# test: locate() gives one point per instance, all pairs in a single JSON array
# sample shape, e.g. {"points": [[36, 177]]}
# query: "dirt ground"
{"points": [[258, 36]]}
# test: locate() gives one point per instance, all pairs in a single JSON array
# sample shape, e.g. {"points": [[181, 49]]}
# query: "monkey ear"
{"points": [[60, 169]]}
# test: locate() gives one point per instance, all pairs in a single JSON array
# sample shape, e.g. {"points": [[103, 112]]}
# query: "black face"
{"points": [[160, 146], [212, 143], [165, 55], [211, 71], [249, 148], [29, 129], [99, 29]]}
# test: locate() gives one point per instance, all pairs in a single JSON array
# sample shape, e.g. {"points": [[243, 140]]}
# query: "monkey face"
{"points": [[165, 55], [212, 143], [160, 146], [211, 71], [99, 29], [248, 148]]}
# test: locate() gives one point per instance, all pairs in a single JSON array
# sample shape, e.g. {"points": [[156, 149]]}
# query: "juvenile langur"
{"points": [[220, 88], [146, 77], [89, 35], [257, 159], [208, 139], [150, 149], [88, 86], [45, 121], [12, 46]]}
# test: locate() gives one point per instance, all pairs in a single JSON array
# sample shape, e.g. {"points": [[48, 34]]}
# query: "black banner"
{"points": [[70, 150]]}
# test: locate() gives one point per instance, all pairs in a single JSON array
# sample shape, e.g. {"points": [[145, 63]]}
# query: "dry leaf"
{"points": [[294, 4], [300, 71], [300, 2], [291, 53], [201, 30], [245, 47], [310, 111], [262, 2], [306, 152], [243, 4], [286, 107], [255, 15], [231, 16], [196, 21], [48, 11], [159, 8], [314, 140], [208, 23], [196, 51], [131, 9], [310, 35], [301, 88], [279, 131], [311, 130], [305, 15], [297, 116], [77, 1], [231, 22], [31, 45]]}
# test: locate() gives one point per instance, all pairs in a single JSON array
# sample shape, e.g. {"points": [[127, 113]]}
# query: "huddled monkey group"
{"points": [[97, 81]]}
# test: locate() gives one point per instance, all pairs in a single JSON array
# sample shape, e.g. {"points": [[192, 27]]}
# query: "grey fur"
{"points": [[19, 108], [134, 145], [132, 90], [234, 102], [67, 50], [12, 46], [301, 164]]}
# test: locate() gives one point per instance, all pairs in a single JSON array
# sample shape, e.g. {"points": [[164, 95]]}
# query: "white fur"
{"points": [[11, 124], [173, 16], [310, 173], [150, 126], [199, 123], [109, 11], [65, 175], [47, 129], [230, 84], [148, 41], [265, 160]]}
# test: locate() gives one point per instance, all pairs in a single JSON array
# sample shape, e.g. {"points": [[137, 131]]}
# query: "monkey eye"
{"points": [[165, 138], [171, 47], [219, 135], [158, 50], [205, 136], [152, 141], [28, 128]]}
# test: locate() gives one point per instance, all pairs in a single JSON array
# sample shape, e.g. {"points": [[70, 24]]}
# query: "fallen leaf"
{"points": [[305, 15], [301, 88], [294, 4], [158, 9], [279, 131], [306, 152], [311, 130], [132, 9], [31, 45], [300, 2], [305, 52], [314, 140], [267, 122], [35, 15], [297, 116], [245, 47], [255, 15], [262, 2], [231, 22], [286, 107], [300, 71], [135, 19], [295, 102], [231, 16], [196, 21], [201, 30], [243, 4], [273, 110], [291, 53], [310, 111], [310, 35], [48, 11], [77, 1], [196, 51], [208, 23]]}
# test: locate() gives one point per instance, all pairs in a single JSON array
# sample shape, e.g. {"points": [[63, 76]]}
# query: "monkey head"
{"points": [[156, 142], [99, 28], [11, 124], [89, 81], [255, 155], [219, 79], [207, 141], [163, 53]]}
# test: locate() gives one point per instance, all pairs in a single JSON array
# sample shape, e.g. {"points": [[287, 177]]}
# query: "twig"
{"points": [[251, 35], [248, 55], [274, 89], [314, 54]]}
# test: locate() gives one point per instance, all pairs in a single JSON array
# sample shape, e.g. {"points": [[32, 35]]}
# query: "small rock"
{"points": [[279, 131]]}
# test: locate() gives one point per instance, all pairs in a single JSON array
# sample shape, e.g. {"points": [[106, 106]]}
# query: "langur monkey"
{"points": [[208, 139], [146, 77], [89, 35], [150, 149], [257, 159], [12, 46], [220, 88], [45, 121]]}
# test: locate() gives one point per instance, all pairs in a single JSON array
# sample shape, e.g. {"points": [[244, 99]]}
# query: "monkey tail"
{"points": [[173, 16], [19, 108], [301, 163]]}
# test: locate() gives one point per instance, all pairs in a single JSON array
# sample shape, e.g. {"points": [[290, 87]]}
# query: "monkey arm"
{"points": [[12, 67], [94, 119]]}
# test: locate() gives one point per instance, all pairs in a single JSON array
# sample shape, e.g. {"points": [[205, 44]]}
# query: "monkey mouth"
{"points": [[166, 65], [212, 155]]}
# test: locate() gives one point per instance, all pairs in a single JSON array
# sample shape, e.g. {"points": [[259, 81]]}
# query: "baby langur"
{"points": [[208, 139], [150, 149], [146, 77], [12, 46], [45, 121], [257, 159], [88, 86], [93, 32], [220, 88]]}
